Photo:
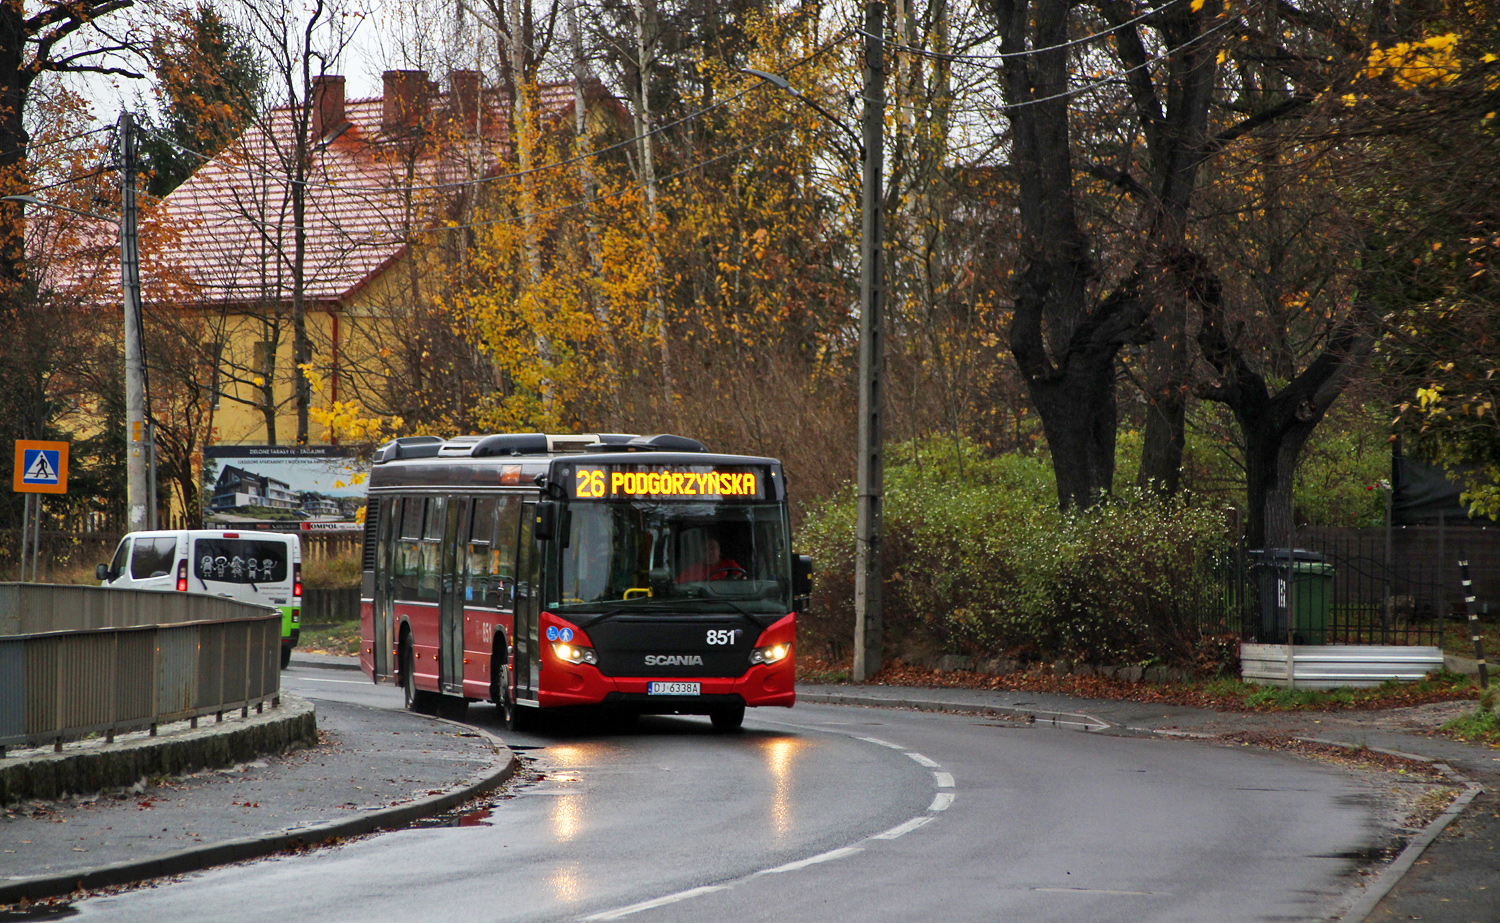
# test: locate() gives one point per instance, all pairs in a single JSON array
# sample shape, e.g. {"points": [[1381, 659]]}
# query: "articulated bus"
{"points": [[643, 574]]}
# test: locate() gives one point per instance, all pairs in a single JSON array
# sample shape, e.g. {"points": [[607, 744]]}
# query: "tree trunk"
{"points": [[1065, 344], [1078, 416], [1276, 426]]}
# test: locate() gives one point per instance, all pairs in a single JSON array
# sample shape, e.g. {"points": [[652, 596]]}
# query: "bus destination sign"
{"points": [[653, 482]]}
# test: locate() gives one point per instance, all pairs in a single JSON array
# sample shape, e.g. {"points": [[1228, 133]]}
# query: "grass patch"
{"points": [[339, 638], [1483, 725], [1221, 694], [810, 670], [1458, 639]]}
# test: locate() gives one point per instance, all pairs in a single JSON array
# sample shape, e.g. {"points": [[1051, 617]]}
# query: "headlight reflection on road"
{"points": [[565, 883], [780, 754], [566, 817]]}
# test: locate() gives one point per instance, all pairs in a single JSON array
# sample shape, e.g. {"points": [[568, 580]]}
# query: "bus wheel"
{"points": [[516, 717], [286, 657], [417, 700], [727, 717]]}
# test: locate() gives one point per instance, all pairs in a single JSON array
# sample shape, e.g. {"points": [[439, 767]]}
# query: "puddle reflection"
{"points": [[565, 884], [566, 817], [781, 753]]}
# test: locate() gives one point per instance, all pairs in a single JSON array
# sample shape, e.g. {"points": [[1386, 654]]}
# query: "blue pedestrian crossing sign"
{"points": [[41, 467]]}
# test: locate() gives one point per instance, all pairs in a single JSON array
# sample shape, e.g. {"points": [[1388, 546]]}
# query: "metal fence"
{"points": [[72, 679], [1348, 586]]}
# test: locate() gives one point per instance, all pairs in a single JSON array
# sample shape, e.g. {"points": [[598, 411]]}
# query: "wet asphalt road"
{"points": [[827, 813]]}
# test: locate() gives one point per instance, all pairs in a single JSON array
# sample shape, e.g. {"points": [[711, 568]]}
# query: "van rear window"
{"points": [[239, 560]]}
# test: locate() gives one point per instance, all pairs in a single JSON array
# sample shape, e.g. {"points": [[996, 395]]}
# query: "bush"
{"points": [[978, 560], [332, 573]]}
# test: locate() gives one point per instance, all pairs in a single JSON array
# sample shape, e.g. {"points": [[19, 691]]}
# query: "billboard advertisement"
{"points": [[293, 488]]}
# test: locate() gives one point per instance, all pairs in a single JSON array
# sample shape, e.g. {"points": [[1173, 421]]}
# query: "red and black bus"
{"points": [[538, 571]]}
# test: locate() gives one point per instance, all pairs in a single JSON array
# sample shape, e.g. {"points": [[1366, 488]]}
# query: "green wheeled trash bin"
{"points": [[1310, 595]]}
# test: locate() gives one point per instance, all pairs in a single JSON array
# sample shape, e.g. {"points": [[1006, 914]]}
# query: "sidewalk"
{"points": [[372, 769]]}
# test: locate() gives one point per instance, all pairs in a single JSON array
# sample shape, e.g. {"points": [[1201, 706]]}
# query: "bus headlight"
{"points": [[774, 653], [574, 654]]}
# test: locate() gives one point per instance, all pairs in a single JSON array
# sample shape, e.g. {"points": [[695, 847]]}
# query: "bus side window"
{"points": [[408, 564], [385, 512], [525, 552], [477, 576], [503, 551], [430, 563]]}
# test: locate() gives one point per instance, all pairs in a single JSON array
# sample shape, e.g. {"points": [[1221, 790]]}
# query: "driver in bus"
{"points": [[713, 566]]}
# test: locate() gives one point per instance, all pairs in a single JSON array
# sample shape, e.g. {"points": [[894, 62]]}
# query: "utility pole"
{"points": [[868, 601], [139, 512]]}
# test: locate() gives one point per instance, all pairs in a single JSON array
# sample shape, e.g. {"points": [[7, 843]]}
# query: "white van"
{"points": [[254, 567]]}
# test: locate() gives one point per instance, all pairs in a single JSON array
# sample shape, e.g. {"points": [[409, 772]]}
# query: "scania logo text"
{"points": [[673, 660]]}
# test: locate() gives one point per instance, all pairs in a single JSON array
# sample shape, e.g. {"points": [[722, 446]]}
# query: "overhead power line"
{"points": [[1010, 55]]}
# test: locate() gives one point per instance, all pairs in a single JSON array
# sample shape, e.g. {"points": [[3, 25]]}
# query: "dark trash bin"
{"points": [[1310, 594]]}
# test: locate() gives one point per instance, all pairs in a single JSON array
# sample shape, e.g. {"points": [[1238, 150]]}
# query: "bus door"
{"points": [[388, 517], [528, 597], [451, 599]]}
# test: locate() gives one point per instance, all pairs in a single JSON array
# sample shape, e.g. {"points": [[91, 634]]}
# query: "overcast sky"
{"points": [[379, 43]]}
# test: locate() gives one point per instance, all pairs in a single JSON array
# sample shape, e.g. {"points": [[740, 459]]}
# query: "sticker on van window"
{"points": [[238, 560]]}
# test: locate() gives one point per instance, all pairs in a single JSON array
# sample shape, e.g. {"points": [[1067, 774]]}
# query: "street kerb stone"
{"points": [[209, 855], [86, 769]]}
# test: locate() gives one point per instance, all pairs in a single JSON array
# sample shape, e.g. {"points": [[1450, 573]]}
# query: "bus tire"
{"points": [[417, 700], [286, 657], [727, 718]]}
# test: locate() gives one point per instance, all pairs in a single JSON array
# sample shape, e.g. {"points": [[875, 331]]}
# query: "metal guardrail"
{"points": [[69, 677], [1335, 665]]}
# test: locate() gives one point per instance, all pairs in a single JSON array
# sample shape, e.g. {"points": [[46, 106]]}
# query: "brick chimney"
{"points": [[328, 104], [405, 100], [463, 97]]}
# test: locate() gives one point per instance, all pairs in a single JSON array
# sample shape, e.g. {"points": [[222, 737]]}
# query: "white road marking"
{"points": [[655, 902], [1094, 891], [346, 682], [813, 860], [903, 829], [941, 801]]}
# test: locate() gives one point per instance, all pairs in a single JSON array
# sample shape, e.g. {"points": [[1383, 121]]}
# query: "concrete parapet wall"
{"points": [[95, 766]]}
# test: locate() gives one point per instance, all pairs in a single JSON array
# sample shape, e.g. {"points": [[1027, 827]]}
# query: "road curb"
{"points": [[324, 661], [1038, 716], [1387, 880], [291, 724], [198, 858]]}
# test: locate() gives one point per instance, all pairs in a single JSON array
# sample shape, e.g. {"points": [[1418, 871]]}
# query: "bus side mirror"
{"points": [[802, 571], [101, 572], [545, 526]]}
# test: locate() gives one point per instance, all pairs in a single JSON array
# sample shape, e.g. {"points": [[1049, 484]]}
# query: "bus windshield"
{"points": [[652, 554]]}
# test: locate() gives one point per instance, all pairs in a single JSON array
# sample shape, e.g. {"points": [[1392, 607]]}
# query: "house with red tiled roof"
{"points": [[384, 178]]}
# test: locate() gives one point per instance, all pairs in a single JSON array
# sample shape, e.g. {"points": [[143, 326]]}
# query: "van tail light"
{"points": [[296, 579], [182, 576]]}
